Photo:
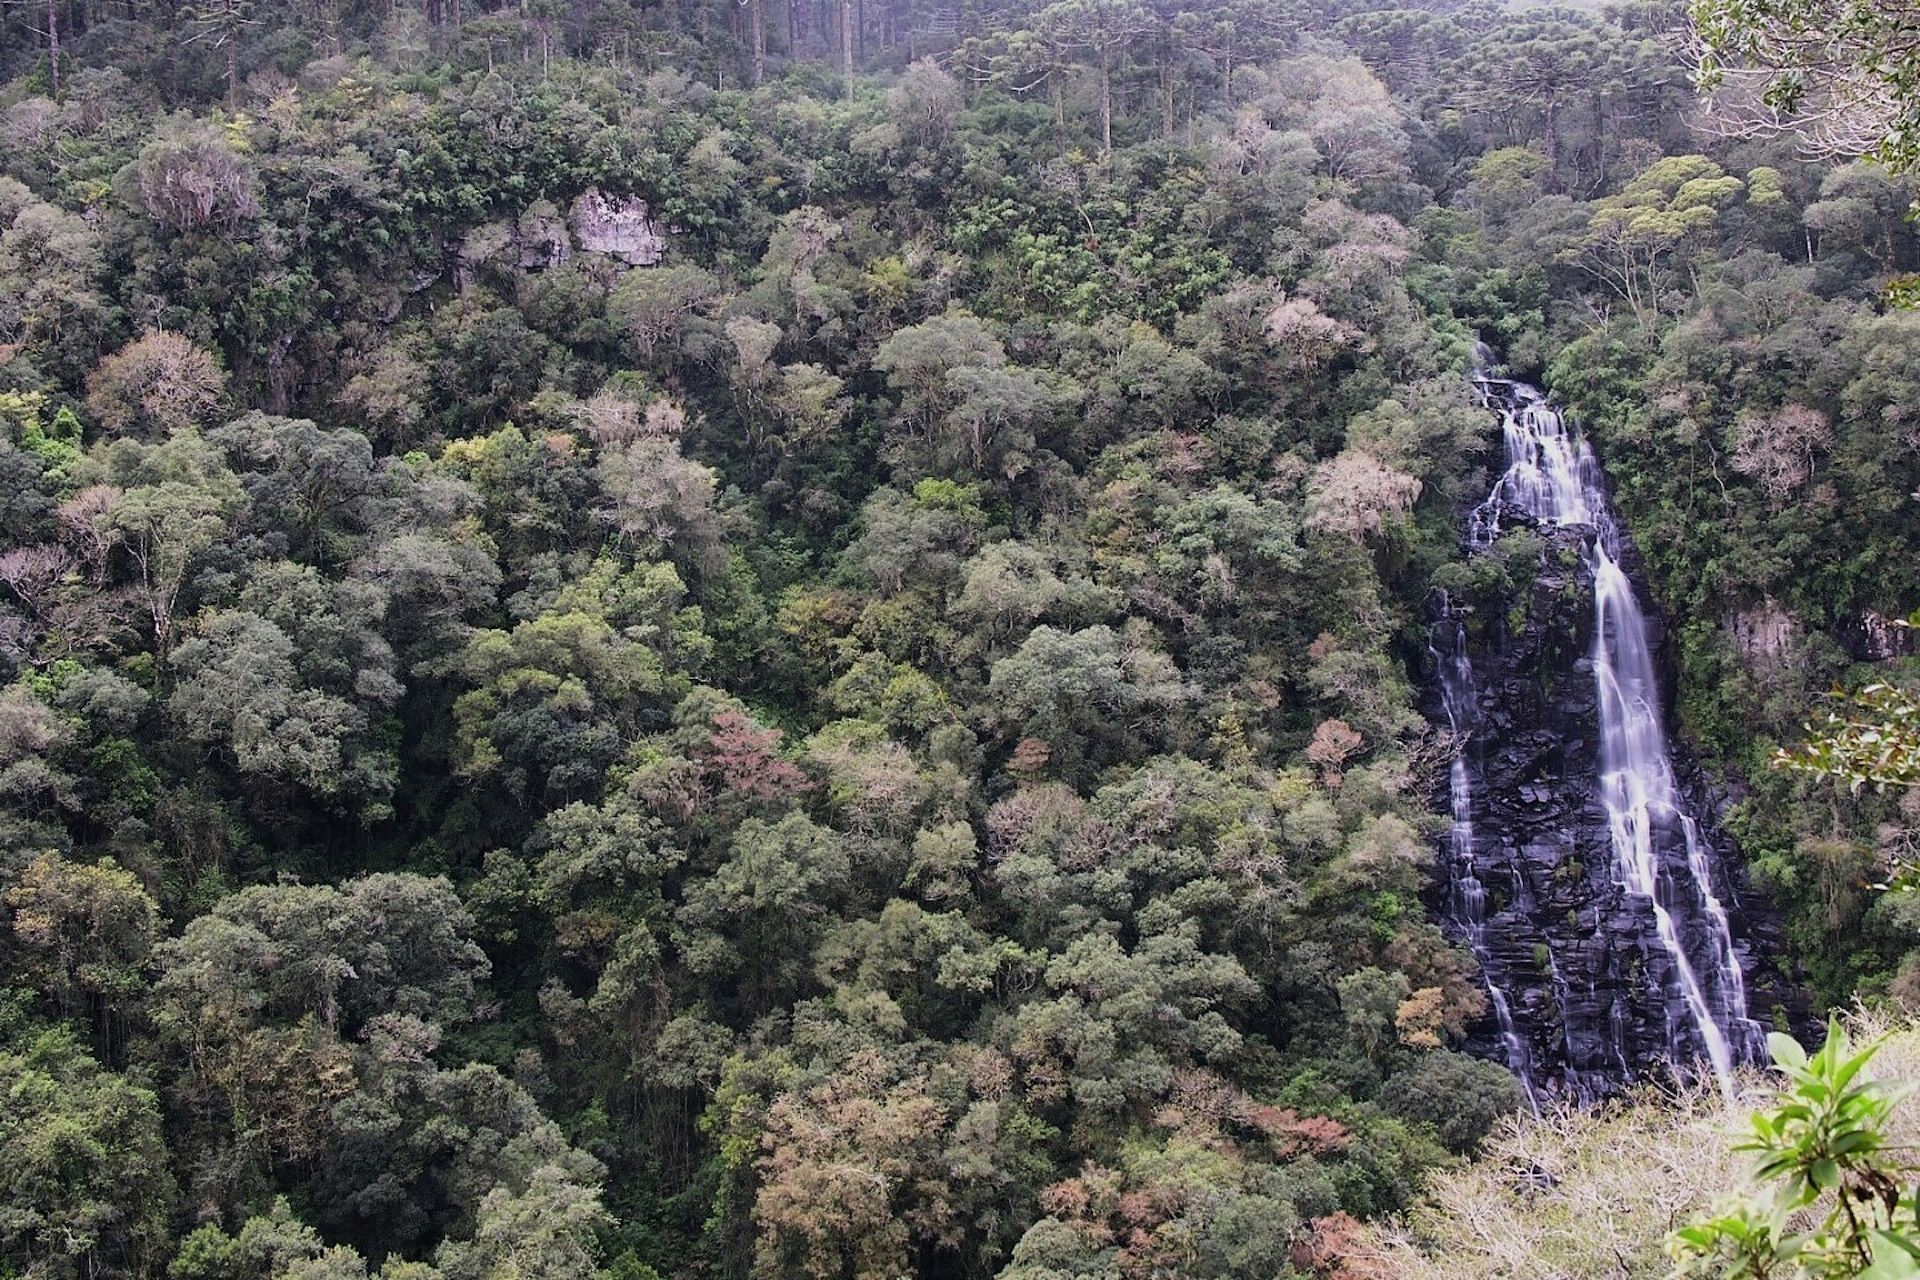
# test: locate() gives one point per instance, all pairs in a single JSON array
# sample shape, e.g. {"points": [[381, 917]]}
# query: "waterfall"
{"points": [[1468, 900], [1637, 784], [1662, 866]]}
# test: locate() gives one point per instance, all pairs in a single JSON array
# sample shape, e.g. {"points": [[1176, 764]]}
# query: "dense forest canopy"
{"points": [[782, 639]]}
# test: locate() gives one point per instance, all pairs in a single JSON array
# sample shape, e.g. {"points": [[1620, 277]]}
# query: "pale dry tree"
{"points": [[1838, 75], [1353, 493], [1581, 1193], [1777, 449]]}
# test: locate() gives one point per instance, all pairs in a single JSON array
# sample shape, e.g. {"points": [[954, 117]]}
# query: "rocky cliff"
{"points": [[1594, 991]]}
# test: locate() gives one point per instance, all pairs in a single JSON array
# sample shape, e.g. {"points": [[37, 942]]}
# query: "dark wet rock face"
{"points": [[1874, 637], [1611, 934]]}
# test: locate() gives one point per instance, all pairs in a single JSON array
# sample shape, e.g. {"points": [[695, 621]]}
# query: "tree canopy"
{"points": [[769, 639]]}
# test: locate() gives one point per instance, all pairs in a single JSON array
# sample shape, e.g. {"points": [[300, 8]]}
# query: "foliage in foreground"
{"points": [[1816, 1182], [1872, 737], [1833, 1197], [1573, 1192]]}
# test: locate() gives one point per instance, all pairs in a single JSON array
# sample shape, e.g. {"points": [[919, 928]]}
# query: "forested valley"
{"points": [[670, 638]]}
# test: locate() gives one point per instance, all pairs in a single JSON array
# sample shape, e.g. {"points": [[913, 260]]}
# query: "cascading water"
{"points": [[1637, 785], [1685, 966], [1459, 699]]}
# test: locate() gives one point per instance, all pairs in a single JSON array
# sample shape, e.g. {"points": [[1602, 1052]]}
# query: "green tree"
{"points": [[321, 487], [1089, 693], [1104, 30], [547, 1231], [86, 1188], [1659, 216], [549, 703], [84, 934], [267, 1245], [236, 685], [174, 505], [753, 923], [1462, 1097]]}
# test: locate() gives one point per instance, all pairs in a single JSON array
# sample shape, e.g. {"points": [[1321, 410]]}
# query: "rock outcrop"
{"points": [[1872, 636], [1764, 634], [621, 227]]}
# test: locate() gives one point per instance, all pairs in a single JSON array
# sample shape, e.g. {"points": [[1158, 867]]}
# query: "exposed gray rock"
{"points": [[619, 228], [1764, 632], [541, 237], [622, 227]]}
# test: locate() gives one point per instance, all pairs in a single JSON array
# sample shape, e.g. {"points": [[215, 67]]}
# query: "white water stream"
{"points": [[1459, 698], [1553, 478]]}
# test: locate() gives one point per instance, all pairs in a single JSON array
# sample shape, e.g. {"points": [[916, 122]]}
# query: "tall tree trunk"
{"points": [[1106, 101], [1601, 133], [846, 44], [1166, 92], [53, 45], [1553, 140], [756, 18]]}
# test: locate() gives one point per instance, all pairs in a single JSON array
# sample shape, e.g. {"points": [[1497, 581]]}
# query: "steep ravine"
{"points": [[1582, 870]]}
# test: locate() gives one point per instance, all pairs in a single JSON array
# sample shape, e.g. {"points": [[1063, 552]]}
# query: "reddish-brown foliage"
{"points": [[743, 758], [1326, 1248]]}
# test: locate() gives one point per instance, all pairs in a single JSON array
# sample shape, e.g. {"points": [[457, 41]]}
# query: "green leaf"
{"points": [[1891, 1260], [1786, 1050]]}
